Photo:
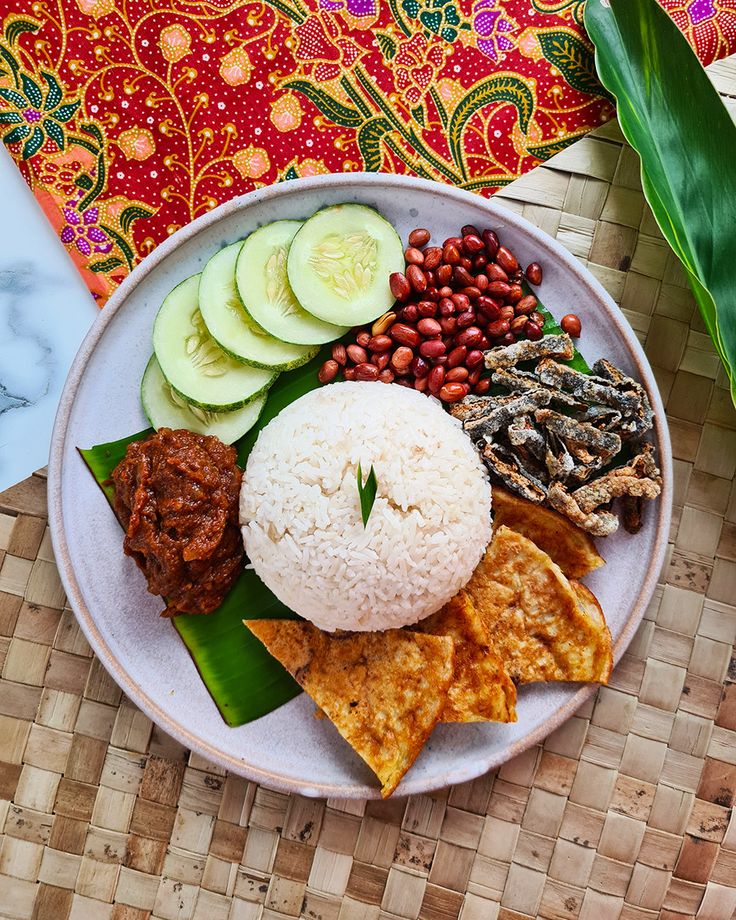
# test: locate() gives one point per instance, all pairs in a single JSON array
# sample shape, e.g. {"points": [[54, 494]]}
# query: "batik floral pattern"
{"points": [[130, 120]]}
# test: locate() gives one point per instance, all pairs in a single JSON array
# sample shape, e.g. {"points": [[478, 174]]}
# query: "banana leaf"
{"points": [[673, 117], [244, 681]]}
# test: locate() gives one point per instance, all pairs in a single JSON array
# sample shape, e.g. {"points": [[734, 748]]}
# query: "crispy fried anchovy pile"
{"points": [[550, 437]]}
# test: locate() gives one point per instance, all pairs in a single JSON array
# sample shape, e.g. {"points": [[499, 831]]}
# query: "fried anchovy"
{"points": [[471, 405], [512, 476], [599, 442], [600, 524], [587, 463], [586, 388], [642, 465], [560, 463], [632, 513], [608, 371], [522, 381], [503, 415], [640, 478], [521, 457], [550, 346], [522, 433], [603, 417], [590, 496]]}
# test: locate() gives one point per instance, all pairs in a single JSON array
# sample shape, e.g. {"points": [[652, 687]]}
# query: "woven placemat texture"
{"points": [[624, 812]]}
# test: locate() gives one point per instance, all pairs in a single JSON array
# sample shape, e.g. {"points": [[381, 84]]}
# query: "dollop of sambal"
{"points": [[176, 495]]}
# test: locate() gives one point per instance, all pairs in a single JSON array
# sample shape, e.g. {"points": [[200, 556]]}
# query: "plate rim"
{"points": [[464, 770]]}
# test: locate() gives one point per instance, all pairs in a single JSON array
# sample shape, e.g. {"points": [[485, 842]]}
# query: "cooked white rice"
{"points": [[301, 517]]}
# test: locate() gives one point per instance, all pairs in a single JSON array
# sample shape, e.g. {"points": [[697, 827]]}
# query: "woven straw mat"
{"points": [[624, 812]]}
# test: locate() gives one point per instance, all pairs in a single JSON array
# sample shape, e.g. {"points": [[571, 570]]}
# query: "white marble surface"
{"points": [[45, 311]]}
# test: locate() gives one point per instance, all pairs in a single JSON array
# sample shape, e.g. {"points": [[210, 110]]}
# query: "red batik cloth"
{"points": [[130, 119]]}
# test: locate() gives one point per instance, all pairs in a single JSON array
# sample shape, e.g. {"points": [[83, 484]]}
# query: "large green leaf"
{"points": [[244, 681], [673, 117]]}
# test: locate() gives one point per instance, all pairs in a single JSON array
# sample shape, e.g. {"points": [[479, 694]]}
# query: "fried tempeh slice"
{"points": [[481, 690], [593, 610], [536, 621], [567, 545], [384, 691], [549, 346]]}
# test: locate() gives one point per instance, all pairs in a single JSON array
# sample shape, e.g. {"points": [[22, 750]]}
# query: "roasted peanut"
{"points": [[571, 325], [419, 237], [402, 358], [383, 323], [416, 278], [366, 372], [534, 273], [357, 354], [507, 260], [328, 371], [400, 287], [452, 392]]}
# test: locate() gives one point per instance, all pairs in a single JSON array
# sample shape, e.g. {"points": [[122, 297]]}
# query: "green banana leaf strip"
{"points": [[673, 117], [244, 681]]}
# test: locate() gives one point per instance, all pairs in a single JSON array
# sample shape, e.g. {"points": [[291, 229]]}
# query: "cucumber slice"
{"points": [[266, 293], [193, 363], [340, 261], [166, 409], [231, 327]]}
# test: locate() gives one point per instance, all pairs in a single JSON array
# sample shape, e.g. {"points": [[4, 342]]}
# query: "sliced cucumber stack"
{"points": [[194, 364], [231, 327], [266, 293], [340, 261], [166, 409]]}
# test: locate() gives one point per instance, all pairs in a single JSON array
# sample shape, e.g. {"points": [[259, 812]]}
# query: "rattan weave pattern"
{"points": [[624, 812]]}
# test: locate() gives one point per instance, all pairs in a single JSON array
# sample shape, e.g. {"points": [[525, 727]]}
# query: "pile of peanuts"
{"points": [[452, 302]]}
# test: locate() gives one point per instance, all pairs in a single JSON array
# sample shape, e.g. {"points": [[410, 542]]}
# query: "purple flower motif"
{"points": [[32, 116], [700, 10], [82, 230], [492, 28], [357, 8]]}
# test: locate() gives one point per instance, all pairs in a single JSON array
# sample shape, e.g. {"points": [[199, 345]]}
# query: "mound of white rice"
{"points": [[301, 517]]}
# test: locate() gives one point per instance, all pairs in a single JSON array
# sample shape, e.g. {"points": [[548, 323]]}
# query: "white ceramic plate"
{"points": [[289, 749]]}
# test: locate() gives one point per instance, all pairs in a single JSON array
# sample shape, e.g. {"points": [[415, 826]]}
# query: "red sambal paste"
{"points": [[176, 495]]}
